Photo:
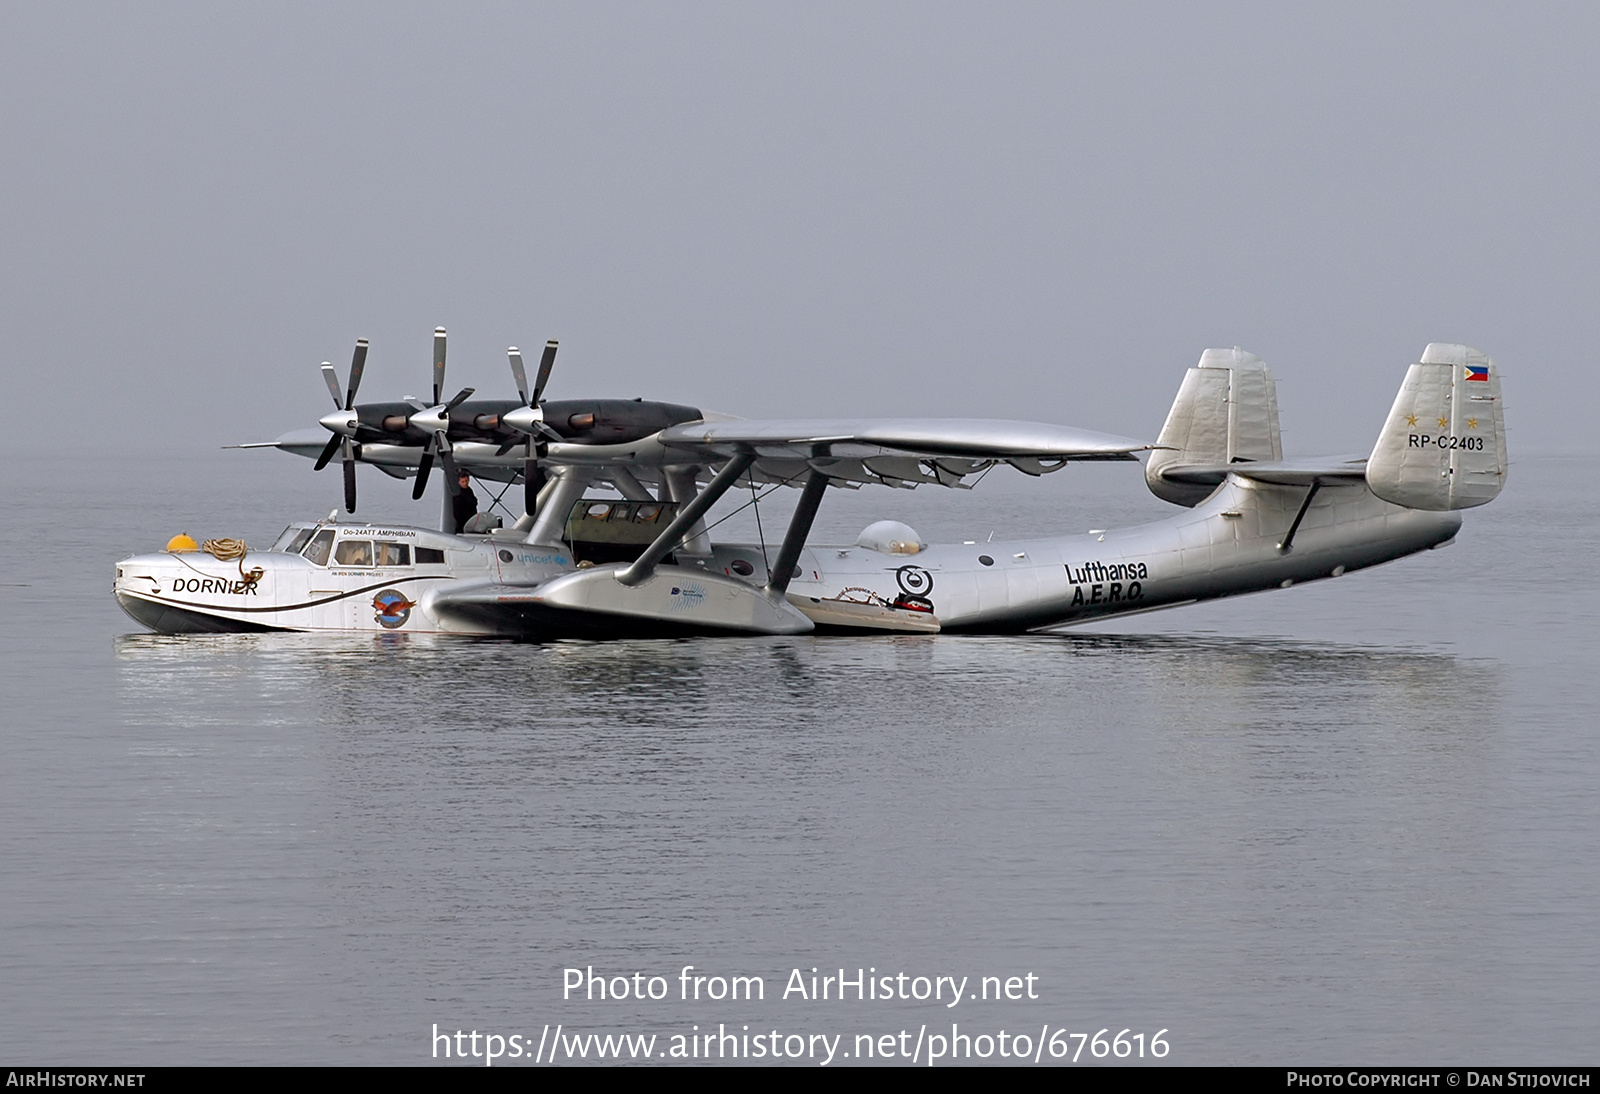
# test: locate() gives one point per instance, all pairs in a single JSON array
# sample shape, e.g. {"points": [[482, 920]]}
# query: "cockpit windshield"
{"points": [[293, 539]]}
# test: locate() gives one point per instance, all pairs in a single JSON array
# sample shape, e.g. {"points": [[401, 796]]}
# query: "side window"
{"points": [[429, 556], [394, 554], [353, 552], [317, 550]]}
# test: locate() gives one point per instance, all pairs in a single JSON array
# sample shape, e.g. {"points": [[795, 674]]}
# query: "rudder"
{"points": [[1226, 412], [1443, 446]]}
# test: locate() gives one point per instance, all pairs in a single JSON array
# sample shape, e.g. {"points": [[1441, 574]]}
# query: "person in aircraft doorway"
{"points": [[464, 506]]}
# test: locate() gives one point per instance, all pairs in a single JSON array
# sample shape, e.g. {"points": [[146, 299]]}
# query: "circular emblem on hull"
{"points": [[392, 608], [914, 580]]}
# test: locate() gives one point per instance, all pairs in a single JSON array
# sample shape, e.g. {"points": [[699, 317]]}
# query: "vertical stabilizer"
{"points": [[1443, 446], [1226, 412]]}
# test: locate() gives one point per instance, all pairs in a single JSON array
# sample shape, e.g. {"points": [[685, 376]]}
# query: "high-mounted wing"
{"points": [[637, 442], [902, 452], [899, 452]]}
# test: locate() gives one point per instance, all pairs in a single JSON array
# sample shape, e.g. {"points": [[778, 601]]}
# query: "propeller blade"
{"points": [[507, 447], [451, 472], [518, 373], [461, 397], [548, 432], [546, 363], [448, 463], [438, 365], [349, 478], [327, 453], [358, 365], [332, 380], [422, 473]]}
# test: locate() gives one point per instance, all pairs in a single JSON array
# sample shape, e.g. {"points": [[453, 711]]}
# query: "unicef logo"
{"points": [[686, 596], [392, 608]]}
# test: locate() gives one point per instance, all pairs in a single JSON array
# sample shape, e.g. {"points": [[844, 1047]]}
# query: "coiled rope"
{"points": [[227, 550]]}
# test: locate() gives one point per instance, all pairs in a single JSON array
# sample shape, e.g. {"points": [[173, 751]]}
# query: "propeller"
{"points": [[342, 422], [435, 421], [531, 421]]}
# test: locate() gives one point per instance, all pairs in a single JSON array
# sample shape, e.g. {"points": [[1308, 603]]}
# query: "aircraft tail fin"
{"points": [[1226, 412], [1443, 446]]}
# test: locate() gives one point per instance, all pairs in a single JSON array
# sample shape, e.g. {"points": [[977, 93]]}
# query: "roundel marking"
{"points": [[392, 608], [914, 580]]}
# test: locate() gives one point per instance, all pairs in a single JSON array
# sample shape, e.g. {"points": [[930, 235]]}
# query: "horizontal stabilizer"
{"points": [[1300, 472], [1443, 446]]}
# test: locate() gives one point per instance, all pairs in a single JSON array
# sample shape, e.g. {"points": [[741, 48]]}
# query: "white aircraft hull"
{"points": [[1227, 545]]}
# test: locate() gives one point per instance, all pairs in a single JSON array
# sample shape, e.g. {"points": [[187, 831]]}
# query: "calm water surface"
{"points": [[1350, 822]]}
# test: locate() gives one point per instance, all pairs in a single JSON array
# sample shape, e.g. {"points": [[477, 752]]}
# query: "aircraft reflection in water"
{"points": [[1214, 687], [581, 565]]}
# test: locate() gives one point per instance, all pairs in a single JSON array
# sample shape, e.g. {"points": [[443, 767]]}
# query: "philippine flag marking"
{"points": [[1477, 372]]}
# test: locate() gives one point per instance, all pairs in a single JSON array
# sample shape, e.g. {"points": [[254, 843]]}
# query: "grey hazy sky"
{"points": [[998, 210]]}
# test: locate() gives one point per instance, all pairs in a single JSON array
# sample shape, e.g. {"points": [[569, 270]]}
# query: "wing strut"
{"points": [[1288, 541], [780, 573], [645, 565]]}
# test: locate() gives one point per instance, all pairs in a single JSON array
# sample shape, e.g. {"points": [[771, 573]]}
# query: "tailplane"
{"points": [[1443, 446], [1226, 412]]}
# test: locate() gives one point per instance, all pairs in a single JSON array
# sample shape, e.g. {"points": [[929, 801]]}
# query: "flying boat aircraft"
{"points": [[580, 564]]}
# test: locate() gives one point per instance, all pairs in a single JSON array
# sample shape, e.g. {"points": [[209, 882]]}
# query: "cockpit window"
{"points": [[297, 542], [353, 552], [394, 554], [317, 550]]}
